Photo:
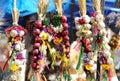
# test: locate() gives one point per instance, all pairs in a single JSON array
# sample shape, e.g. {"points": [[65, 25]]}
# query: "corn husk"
{"points": [[15, 14], [82, 5], [58, 4], [42, 6], [97, 6]]}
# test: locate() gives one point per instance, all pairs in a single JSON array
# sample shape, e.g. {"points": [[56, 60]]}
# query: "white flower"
{"points": [[91, 62], [93, 68], [52, 77], [22, 33], [87, 18], [90, 55], [56, 29], [53, 50], [49, 38], [18, 62], [43, 48], [13, 33], [58, 63]]}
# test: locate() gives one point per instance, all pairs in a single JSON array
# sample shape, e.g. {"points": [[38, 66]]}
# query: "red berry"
{"points": [[65, 25], [38, 24], [64, 19]]}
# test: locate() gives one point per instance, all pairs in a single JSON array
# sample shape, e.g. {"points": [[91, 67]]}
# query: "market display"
{"points": [[41, 51]]}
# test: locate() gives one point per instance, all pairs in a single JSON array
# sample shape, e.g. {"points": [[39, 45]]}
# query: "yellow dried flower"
{"points": [[106, 66], [14, 67]]}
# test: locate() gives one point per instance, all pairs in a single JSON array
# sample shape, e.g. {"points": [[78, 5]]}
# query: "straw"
{"points": [[97, 6], [15, 14], [42, 6], [82, 5], [58, 4]]}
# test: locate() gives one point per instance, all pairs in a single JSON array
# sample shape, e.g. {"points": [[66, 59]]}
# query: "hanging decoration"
{"points": [[101, 40], [60, 43], [41, 41], [16, 35], [51, 44], [84, 45]]}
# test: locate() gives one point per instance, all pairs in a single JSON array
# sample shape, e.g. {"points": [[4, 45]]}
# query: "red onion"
{"points": [[35, 51], [65, 32], [38, 23], [36, 31], [65, 25], [36, 45], [64, 19]]}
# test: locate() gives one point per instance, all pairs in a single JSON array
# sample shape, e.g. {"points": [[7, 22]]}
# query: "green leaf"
{"points": [[57, 20]]}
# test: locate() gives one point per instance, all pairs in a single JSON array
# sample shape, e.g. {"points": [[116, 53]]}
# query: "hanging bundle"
{"points": [[16, 35], [101, 41], [84, 37], [41, 40], [60, 43]]}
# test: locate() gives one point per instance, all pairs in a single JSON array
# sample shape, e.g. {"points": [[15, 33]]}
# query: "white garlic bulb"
{"points": [[87, 18], [13, 33], [22, 33], [76, 20]]}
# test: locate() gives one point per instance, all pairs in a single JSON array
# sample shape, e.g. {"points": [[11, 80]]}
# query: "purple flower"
{"points": [[59, 48], [40, 56], [45, 29], [13, 45], [19, 56]]}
